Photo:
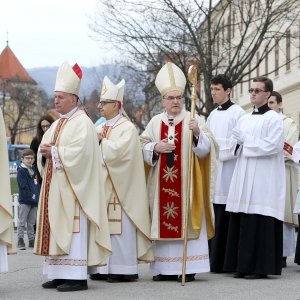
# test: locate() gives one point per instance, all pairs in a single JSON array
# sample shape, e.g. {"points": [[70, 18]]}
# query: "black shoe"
{"points": [[21, 244], [256, 276], [53, 284], [31, 244], [239, 275], [130, 277], [115, 278], [188, 278], [98, 276], [161, 277], [284, 265], [73, 285]]}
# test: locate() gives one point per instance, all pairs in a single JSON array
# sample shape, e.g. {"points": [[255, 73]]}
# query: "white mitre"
{"points": [[68, 79], [170, 78], [112, 92]]}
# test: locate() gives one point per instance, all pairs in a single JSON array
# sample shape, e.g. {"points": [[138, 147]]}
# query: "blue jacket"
{"points": [[29, 186]]}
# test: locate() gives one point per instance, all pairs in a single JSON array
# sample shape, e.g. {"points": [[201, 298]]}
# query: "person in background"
{"points": [[257, 190], [295, 156], [7, 240], [29, 192], [221, 121], [43, 125], [291, 177]]}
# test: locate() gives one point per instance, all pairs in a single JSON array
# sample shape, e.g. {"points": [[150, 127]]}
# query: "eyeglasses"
{"points": [[171, 98], [45, 126], [256, 91], [102, 103]]}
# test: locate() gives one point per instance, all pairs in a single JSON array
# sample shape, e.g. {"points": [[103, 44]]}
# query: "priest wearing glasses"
{"points": [[256, 198], [165, 143]]}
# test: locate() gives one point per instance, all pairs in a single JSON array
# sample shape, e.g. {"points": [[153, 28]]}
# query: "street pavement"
{"points": [[24, 279]]}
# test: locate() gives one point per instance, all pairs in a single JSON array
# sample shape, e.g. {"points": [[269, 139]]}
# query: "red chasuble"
{"points": [[170, 187]]}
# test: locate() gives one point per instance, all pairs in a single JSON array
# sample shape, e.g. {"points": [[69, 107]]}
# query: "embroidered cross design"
{"points": [[115, 203]]}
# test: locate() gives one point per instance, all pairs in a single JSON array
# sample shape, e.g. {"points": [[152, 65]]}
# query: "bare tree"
{"points": [[23, 108], [133, 96], [91, 106], [220, 36]]}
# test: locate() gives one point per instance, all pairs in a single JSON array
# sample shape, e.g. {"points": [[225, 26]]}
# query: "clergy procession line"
{"points": [[111, 199]]}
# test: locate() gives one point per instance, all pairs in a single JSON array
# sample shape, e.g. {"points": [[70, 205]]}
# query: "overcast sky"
{"points": [[47, 32]]}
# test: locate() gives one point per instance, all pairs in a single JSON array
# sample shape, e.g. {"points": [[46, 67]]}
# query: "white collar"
{"points": [[69, 114], [169, 116], [113, 121]]}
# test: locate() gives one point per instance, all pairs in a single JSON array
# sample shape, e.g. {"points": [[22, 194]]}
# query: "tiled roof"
{"points": [[11, 69]]}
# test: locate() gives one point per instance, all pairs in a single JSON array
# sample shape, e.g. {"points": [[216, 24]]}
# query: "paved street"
{"points": [[24, 279]]}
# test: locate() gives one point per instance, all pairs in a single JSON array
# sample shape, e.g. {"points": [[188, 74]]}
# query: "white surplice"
{"points": [[221, 123], [260, 164]]}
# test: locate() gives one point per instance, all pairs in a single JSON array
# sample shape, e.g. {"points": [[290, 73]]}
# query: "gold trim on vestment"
{"points": [[119, 122], [179, 258]]}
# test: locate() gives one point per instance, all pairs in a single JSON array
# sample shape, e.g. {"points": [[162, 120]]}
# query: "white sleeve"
{"points": [[55, 158], [227, 148], [203, 146], [148, 151], [254, 146], [296, 153]]}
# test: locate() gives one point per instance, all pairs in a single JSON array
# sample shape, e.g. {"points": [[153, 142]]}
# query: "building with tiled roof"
{"points": [[19, 98], [11, 69]]}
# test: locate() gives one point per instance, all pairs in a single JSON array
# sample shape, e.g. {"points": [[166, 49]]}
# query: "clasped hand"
{"points": [[239, 135], [164, 147], [45, 150]]}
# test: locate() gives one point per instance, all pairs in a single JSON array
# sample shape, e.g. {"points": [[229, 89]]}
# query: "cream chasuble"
{"points": [[291, 172], [72, 189], [296, 159], [291, 176], [123, 183], [7, 243]]}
